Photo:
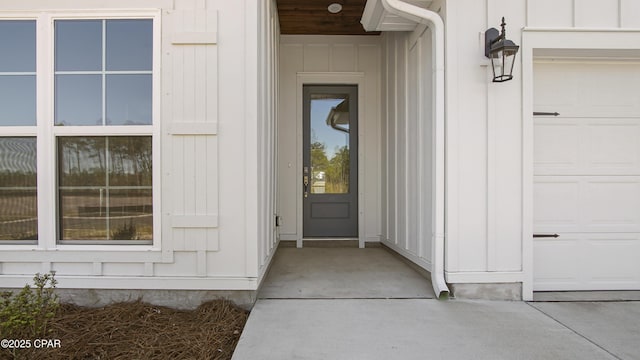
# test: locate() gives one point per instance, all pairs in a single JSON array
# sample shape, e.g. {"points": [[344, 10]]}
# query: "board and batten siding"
{"points": [[407, 141], [215, 112], [489, 125], [328, 59], [268, 48]]}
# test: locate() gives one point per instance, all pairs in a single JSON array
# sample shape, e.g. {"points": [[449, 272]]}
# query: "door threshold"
{"points": [[322, 243]]}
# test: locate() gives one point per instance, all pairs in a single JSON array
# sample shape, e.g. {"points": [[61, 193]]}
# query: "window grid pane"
{"points": [[18, 197], [17, 73], [117, 48]]}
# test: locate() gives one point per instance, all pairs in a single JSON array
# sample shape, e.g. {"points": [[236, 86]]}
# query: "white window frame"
{"points": [[47, 133]]}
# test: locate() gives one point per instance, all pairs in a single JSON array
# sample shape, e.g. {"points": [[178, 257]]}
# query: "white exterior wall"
{"points": [[268, 46], [214, 111], [407, 142], [489, 125], [337, 60]]}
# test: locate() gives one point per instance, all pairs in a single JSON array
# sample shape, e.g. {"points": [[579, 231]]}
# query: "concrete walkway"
{"points": [[294, 327]]}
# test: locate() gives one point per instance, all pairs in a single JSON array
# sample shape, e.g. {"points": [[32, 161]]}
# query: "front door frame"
{"points": [[329, 78]]}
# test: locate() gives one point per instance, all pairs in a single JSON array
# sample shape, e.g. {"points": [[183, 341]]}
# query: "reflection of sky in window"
{"points": [[17, 100], [129, 45], [78, 45], [320, 131], [78, 100], [17, 46], [18, 66], [129, 100]]}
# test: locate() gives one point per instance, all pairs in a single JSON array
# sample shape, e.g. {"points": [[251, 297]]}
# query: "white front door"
{"points": [[587, 175]]}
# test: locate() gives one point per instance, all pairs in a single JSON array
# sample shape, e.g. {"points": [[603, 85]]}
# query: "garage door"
{"points": [[587, 176]]}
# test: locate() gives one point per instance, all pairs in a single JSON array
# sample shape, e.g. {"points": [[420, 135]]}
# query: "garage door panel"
{"points": [[612, 147], [593, 101], [609, 90], [551, 259], [605, 204], [615, 259], [557, 146], [573, 146], [557, 206], [611, 204], [583, 261], [546, 99]]}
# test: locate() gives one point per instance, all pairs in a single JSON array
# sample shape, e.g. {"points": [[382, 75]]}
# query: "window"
{"points": [[103, 80], [18, 199], [105, 188], [77, 159]]}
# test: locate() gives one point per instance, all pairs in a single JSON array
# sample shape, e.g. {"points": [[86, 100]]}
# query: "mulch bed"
{"points": [[137, 330]]}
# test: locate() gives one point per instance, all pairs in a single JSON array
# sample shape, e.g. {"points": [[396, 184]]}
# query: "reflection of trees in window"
{"points": [[335, 170], [130, 161], [82, 161], [338, 172], [18, 199], [319, 161], [105, 188]]}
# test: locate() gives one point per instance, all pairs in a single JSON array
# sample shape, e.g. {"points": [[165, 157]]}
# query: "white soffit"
{"points": [[377, 18]]}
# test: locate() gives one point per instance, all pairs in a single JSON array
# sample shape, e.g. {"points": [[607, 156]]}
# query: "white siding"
{"points": [[334, 55], [407, 139], [269, 35], [216, 115], [593, 14]]}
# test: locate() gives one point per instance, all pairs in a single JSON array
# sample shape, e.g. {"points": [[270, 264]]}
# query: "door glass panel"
{"points": [[329, 146]]}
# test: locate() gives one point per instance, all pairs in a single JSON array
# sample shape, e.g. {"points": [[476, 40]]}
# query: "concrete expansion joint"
{"points": [[573, 330]]}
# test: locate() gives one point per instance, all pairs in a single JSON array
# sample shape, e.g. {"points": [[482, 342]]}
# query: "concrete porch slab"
{"points": [[330, 273]]}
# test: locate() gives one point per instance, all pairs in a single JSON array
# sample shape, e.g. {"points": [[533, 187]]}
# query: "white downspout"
{"points": [[428, 17]]}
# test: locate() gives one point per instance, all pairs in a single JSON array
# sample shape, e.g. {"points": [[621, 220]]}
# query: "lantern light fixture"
{"points": [[502, 53]]}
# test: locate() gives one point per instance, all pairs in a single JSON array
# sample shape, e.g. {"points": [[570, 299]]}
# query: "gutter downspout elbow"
{"points": [[434, 21]]}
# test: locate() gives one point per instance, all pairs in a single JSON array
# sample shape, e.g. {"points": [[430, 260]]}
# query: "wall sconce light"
{"points": [[502, 53]]}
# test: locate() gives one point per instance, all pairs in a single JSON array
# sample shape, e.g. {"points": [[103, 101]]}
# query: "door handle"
{"points": [[546, 235], [305, 182]]}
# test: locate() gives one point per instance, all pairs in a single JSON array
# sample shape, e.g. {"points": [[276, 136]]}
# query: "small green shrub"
{"points": [[27, 313]]}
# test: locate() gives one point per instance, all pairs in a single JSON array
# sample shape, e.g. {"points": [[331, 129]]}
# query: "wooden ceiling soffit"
{"points": [[311, 17]]}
